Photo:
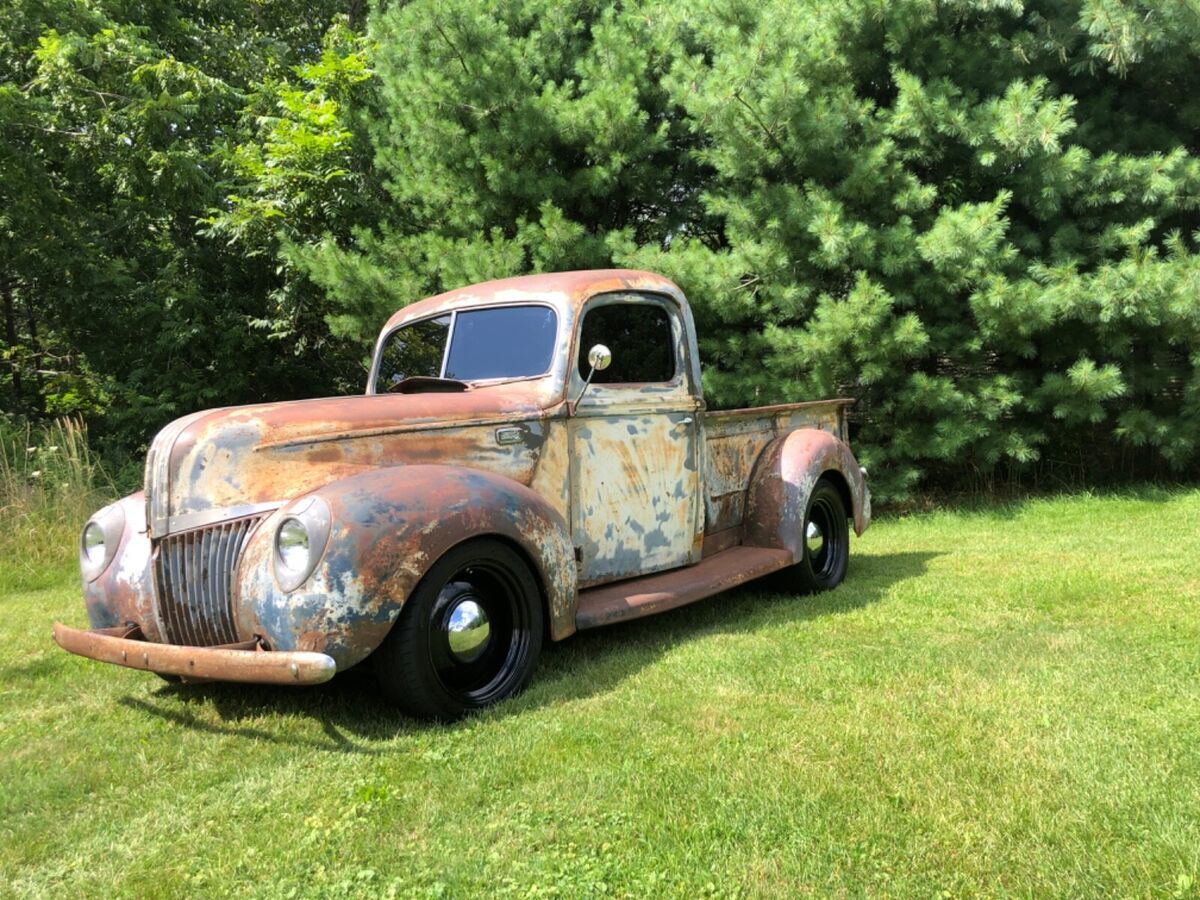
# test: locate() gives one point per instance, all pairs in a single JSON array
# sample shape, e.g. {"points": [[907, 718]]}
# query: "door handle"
{"points": [[686, 420], [512, 435]]}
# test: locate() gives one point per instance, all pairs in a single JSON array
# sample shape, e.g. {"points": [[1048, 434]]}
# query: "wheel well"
{"points": [[534, 570], [838, 480], [517, 548]]}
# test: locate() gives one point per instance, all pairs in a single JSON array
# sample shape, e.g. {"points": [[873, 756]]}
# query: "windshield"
{"points": [[500, 343]]}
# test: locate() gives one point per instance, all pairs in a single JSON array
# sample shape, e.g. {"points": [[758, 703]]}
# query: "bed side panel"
{"points": [[734, 439]]}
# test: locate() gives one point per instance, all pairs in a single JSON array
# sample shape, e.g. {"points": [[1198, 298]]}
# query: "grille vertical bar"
{"points": [[207, 582], [187, 588], [193, 574]]}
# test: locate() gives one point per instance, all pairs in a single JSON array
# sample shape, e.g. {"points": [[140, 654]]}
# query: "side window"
{"points": [[415, 350], [639, 336]]}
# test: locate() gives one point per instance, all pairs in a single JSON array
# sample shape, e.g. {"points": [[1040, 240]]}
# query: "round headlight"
{"points": [[292, 545], [93, 544], [300, 540], [100, 540]]}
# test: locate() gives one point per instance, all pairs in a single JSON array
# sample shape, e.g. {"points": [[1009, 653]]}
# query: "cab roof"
{"points": [[567, 290]]}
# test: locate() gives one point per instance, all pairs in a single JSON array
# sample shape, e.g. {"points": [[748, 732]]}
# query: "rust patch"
{"points": [[719, 541], [668, 590], [638, 479], [124, 592], [328, 453], [736, 440], [637, 491], [313, 640], [391, 525], [783, 479]]}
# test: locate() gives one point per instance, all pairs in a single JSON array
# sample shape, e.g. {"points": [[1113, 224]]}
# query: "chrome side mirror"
{"points": [[599, 358]]}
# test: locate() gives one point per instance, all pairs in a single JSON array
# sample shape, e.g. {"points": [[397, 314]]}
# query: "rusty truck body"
{"points": [[532, 456]]}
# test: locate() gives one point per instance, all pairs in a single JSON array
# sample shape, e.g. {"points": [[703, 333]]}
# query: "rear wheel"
{"points": [[826, 543], [468, 637]]}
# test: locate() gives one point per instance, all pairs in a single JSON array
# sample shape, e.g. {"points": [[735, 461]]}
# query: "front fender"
{"points": [[388, 527], [783, 478], [124, 592]]}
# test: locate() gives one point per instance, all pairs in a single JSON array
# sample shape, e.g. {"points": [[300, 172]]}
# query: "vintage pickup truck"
{"points": [[507, 477]]}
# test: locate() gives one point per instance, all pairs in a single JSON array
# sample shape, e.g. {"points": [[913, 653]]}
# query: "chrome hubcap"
{"points": [[467, 631], [814, 538]]}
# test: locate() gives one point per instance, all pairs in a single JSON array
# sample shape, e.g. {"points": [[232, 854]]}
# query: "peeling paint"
{"points": [[629, 480]]}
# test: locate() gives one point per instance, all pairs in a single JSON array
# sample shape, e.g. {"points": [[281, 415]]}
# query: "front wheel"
{"points": [[826, 543], [468, 637]]}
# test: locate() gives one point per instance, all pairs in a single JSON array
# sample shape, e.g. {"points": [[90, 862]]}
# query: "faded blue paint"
{"points": [[393, 521], [654, 539], [381, 545]]}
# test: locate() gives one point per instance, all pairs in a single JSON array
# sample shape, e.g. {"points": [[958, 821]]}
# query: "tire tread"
{"points": [[398, 662]]}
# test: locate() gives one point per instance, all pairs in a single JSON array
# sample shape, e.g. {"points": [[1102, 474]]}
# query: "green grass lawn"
{"points": [[1004, 701]]}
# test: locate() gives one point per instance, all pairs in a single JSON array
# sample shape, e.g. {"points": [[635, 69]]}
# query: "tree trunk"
{"points": [[38, 403]]}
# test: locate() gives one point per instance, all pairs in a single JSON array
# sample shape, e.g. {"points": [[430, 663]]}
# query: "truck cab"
{"points": [[531, 456]]}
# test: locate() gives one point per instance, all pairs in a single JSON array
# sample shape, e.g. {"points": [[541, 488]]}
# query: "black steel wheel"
{"points": [[468, 637], [826, 543]]}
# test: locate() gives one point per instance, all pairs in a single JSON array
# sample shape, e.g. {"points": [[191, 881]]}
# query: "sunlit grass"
{"points": [[996, 702], [50, 482]]}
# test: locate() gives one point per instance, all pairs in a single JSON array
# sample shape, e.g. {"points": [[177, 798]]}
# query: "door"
{"points": [[635, 442]]}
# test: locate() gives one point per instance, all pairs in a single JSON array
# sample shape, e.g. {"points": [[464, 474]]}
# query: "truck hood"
{"points": [[225, 463]]}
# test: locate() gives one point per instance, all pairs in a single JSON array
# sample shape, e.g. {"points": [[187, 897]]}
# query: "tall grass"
{"points": [[50, 482]]}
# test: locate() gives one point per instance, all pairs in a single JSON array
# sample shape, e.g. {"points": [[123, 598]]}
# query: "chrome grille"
{"points": [[193, 574]]}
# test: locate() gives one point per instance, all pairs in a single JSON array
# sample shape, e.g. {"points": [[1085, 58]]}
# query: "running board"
{"points": [[666, 590]]}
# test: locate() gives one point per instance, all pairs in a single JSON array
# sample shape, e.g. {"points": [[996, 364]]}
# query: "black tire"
{"points": [[417, 666], [826, 543]]}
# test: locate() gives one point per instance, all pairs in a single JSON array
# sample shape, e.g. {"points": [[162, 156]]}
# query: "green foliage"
{"points": [[116, 123], [980, 218], [302, 175], [510, 138]]}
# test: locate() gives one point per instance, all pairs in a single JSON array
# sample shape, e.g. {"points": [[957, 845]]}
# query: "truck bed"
{"points": [[734, 439]]}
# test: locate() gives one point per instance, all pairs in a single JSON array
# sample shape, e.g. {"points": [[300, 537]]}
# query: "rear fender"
{"points": [[388, 527], [784, 477]]}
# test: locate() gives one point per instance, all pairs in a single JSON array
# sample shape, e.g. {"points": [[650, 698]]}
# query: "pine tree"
{"points": [[978, 217]]}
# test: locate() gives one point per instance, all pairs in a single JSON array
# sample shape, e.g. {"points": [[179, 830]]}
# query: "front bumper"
{"points": [[123, 646]]}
